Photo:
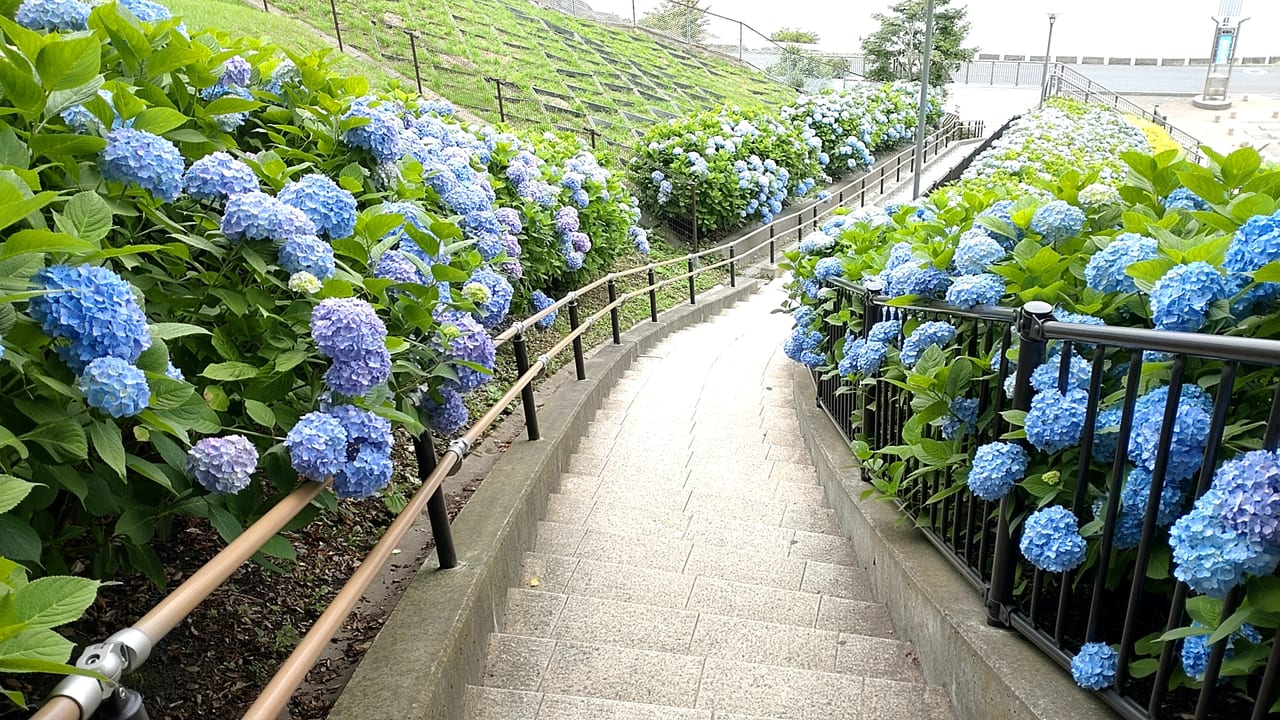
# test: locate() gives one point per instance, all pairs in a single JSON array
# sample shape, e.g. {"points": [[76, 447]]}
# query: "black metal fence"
{"points": [[1125, 595]]}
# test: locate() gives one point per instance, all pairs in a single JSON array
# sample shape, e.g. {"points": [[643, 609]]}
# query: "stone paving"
{"points": [[689, 568]]}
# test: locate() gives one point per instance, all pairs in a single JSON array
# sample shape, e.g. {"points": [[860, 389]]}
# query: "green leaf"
{"points": [[1268, 273], [159, 120], [227, 105], [1249, 204], [446, 273], [150, 471], [154, 359], [21, 89], [64, 438], [260, 413], [85, 216], [137, 524], [1264, 593], [1149, 271], [1230, 625], [14, 207], [108, 443], [230, 371], [278, 547], [171, 330], [290, 359], [187, 135], [12, 491], [55, 600], [49, 145], [224, 522], [13, 151], [18, 541], [38, 644], [69, 63], [14, 697], [1240, 165], [168, 393], [43, 241], [1204, 610], [1144, 667]]}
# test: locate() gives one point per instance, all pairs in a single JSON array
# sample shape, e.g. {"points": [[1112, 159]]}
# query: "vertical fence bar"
{"points": [[733, 268], [653, 296], [502, 112], [521, 348], [614, 320], [693, 291], [1031, 347], [337, 31], [413, 50], [437, 510], [264, 6], [773, 246], [579, 360]]}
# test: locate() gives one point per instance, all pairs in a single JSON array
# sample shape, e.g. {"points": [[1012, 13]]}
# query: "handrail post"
{"points": [[521, 348], [653, 296], [613, 311], [693, 292], [1031, 351], [733, 268], [870, 316], [437, 510], [773, 243], [579, 361]]}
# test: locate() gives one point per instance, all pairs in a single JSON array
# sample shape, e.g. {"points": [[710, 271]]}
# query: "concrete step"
{"points": [[605, 672], [585, 619], [852, 611], [494, 704]]}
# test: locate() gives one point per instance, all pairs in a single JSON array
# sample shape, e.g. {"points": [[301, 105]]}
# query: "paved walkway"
{"points": [[689, 568]]}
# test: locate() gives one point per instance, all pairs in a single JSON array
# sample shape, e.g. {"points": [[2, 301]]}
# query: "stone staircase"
{"points": [[689, 567]]}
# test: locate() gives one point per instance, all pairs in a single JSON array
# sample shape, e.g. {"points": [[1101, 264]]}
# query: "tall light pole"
{"points": [[1044, 76], [924, 97]]}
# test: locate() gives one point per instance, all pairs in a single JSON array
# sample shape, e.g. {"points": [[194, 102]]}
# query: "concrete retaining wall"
{"points": [[433, 644], [990, 673]]}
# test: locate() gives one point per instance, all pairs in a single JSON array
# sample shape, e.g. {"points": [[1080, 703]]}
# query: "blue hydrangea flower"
{"points": [[1106, 434], [467, 341], [510, 219], [997, 466], [1184, 199], [566, 220], [330, 208], [1045, 377], [885, 331], [1094, 667], [1187, 442], [968, 291], [1002, 210], [1212, 557], [91, 308], [962, 419], [494, 310], [1058, 221], [976, 252], [115, 386], [222, 464], [861, 357], [899, 254], [1051, 540], [365, 474], [236, 71], [640, 239], [147, 11], [1056, 419], [258, 216], [380, 135], [1180, 299], [1255, 244], [345, 328], [816, 242], [1250, 486], [915, 278], [802, 345], [395, 265], [137, 157], [541, 301], [827, 268], [53, 15], [926, 334], [1106, 270], [228, 122], [217, 176], [581, 242], [448, 415], [317, 446], [307, 253], [172, 371], [358, 376], [1196, 649], [363, 428]]}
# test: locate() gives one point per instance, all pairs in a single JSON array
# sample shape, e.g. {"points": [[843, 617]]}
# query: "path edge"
{"points": [[989, 673], [433, 643]]}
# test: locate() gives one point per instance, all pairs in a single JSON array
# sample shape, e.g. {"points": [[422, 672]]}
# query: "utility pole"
{"points": [[1044, 76], [924, 97]]}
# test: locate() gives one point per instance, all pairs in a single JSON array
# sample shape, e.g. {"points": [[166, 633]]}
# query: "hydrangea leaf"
{"points": [[108, 443], [86, 216], [63, 439], [20, 89], [47, 145], [68, 63], [12, 491], [160, 120], [230, 371], [18, 540], [55, 600]]}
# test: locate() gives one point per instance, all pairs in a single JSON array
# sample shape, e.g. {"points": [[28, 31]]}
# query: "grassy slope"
{"points": [[562, 71], [236, 18]]}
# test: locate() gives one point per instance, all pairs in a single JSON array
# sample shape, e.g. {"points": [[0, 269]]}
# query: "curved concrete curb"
{"points": [[433, 644], [990, 674]]}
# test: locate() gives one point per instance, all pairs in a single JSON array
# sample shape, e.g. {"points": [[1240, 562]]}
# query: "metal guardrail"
{"points": [[80, 697], [977, 536]]}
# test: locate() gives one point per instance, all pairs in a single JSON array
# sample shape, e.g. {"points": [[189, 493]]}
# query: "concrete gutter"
{"points": [[990, 673], [433, 644]]}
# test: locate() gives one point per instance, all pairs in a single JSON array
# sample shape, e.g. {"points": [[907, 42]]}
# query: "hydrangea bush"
{"points": [[1066, 209], [745, 166], [228, 270]]}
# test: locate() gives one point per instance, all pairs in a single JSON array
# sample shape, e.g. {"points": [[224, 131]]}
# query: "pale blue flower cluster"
{"points": [[1056, 420], [447, 415], [639, 238], [816, 242], [317, 446], [1196, 649], [924, 336], [542, 301], [137, 157], [885, 331], [114, 386], [53, 15], [916, 277], [217, 176], [1045, 377], [465, 341], [997, 466], [861, 356], [1058, 221], [380, 135], [828, 268], [348, 444], [804, 346], [967, 291], [976, 252], [1094, 667], [396, 265], [258, 216], [1184, 199], [1106, 269], [148, 11], [307, 253], [1051, 540], [1181, 298], [494, 310], [228, 122], [93, 310], [330, 208], [222, 464], [349, 332], [962, 419]]}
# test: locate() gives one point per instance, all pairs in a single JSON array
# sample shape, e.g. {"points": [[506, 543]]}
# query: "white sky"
{"points": [[1120, 28]]}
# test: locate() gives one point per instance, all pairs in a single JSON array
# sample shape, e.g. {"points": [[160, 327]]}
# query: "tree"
{"points": [[795, 65], [795, 35], [896, 50], [685, 20]]}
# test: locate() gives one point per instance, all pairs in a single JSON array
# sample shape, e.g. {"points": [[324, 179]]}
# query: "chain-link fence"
{"points": [[794, 64]]}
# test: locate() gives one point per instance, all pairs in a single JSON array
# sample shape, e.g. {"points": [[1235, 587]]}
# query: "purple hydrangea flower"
{"points": [[217, 176], [330, 208], [236, 71], [448, 415], [258, 216], [317, 446], [467, 341], [222, 464], [494, 310]]}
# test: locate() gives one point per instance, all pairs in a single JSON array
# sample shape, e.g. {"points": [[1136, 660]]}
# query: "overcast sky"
{"points": [[1120, 28]]}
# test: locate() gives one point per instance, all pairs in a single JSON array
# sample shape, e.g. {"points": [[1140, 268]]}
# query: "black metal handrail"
{"points": [[977, 536]]}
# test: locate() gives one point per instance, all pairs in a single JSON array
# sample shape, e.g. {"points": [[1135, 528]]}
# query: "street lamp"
{"points": [[924, 98], [1044, 76]]}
